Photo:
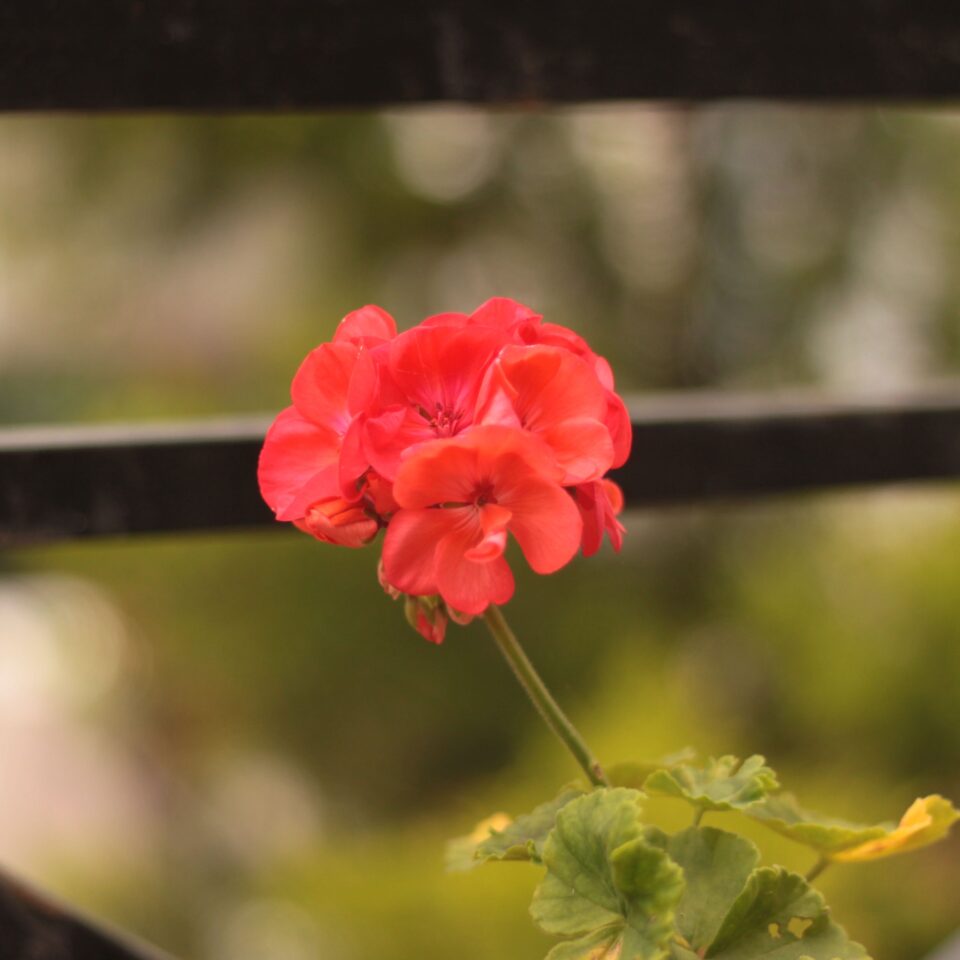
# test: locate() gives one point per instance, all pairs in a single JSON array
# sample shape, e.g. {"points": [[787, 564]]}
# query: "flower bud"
{"points": [[428, 616], [338, 521]]}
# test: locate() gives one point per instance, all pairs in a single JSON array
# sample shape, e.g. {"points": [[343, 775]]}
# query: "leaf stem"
{"points": [[698, 816], [541, 697], [817, 869]]}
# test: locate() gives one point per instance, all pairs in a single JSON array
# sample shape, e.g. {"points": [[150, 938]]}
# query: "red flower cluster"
{"points": [[451, 435]]}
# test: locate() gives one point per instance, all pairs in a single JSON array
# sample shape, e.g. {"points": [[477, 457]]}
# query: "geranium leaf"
{"points": [[601, 944], [523, 839], [778, 916], [577, 896], [501, 838], [606, 885], [716, 866], [826, 835], [461, 851], [927, 820], [724, 784], [633, 774]]}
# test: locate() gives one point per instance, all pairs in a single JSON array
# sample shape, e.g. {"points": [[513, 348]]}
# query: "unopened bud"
{"points": [[428, 616], [339, 521]]}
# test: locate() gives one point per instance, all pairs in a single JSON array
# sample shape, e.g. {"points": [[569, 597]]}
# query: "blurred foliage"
{"points": [[234, 744]]}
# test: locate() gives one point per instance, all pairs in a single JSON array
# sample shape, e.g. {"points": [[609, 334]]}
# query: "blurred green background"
{"points": [[234, 745]]}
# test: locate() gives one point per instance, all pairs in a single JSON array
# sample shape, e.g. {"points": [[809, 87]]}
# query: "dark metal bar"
{"points": [[34, 927], [698, 448], [61, 483], [198, 55]]}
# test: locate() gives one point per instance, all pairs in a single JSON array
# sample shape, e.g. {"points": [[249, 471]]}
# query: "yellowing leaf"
{"points": [[926, 821], [826, 835], [929, 819]]}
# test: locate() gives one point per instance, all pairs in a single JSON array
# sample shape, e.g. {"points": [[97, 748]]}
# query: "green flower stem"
{"points": [[817, 869], [542, 699]]}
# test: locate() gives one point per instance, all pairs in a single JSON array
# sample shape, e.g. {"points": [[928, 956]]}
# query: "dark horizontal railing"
{"points": [[274, 55], [35, 927], [60, 483]]}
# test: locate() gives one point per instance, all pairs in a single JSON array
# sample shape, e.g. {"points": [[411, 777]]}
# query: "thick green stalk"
{"points": [[542, 699]]}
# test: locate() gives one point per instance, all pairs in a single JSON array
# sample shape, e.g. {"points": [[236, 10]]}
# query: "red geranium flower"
{"points": [[452, 435]]}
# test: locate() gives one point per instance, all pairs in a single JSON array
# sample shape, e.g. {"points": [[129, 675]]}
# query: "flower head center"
{"points": [[445, 422], [485, 495]]}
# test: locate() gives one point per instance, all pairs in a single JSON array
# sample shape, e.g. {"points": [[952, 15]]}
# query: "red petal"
{"points": [[493, 522], [387, 437], [364, 390], [442, 471], [613, 507], [410, 547], [618, 423], [439, 369], [582, 447], [545, 522], [592, 517], [553, 334], [379, 493], [298, 460], [353, 461], [599, 503], [551, 385], [604, 372], [321, 385], [614, 496], [506, 455], [445, 320], [366, 324], [319, 487], [502, 312], [468, 586], [496, 401]]}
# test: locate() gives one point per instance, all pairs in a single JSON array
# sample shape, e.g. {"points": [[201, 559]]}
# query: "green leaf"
{"points": [[723, 784], [599, 945], [578, 894], [606, 885], [826, 835], [500, 838], [524, 838], [461, 851], [778, 916], [634, 774], [716, 866]]}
